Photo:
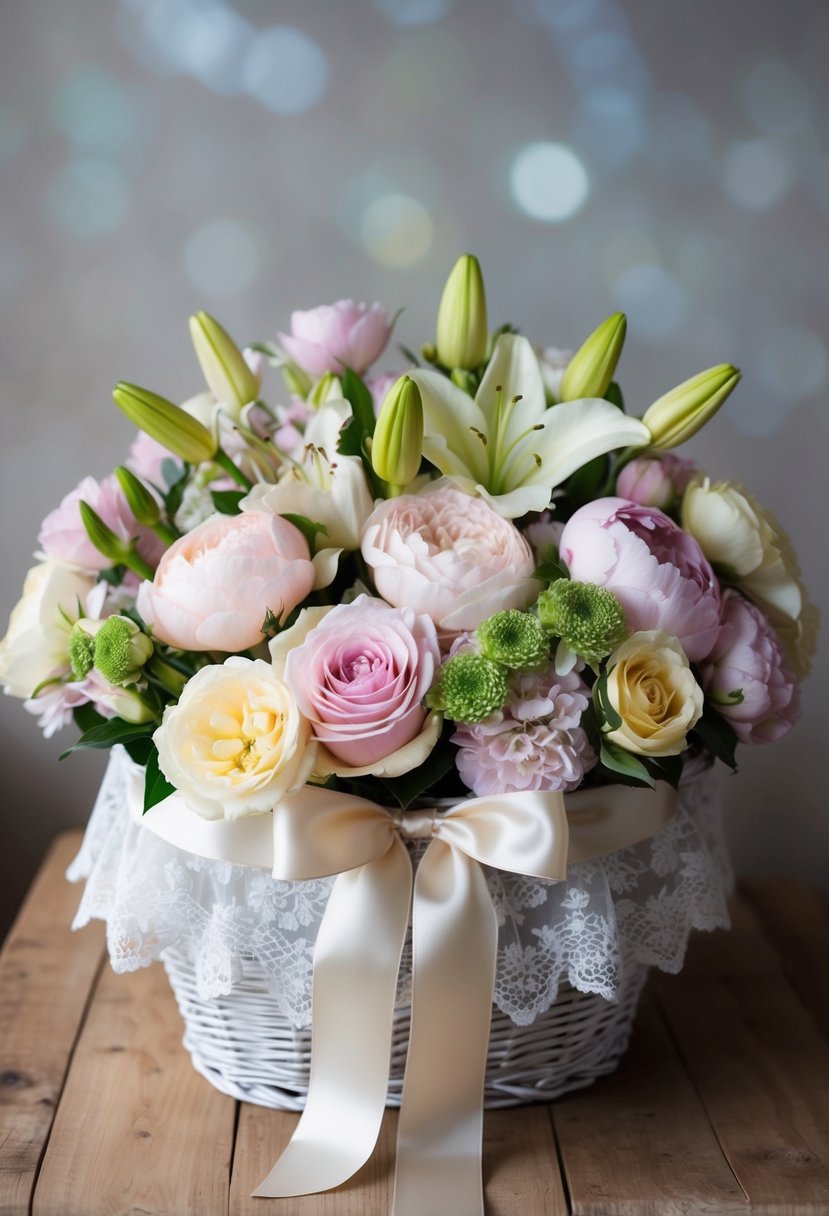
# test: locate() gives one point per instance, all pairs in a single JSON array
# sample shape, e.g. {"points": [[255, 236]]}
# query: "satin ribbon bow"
{"points": [[315, 833]]}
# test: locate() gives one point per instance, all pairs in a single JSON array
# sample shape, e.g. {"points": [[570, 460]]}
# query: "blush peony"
{"points": [[337, 336]]}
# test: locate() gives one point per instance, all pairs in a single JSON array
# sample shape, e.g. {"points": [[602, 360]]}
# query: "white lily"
{"points": [[506, 445]]}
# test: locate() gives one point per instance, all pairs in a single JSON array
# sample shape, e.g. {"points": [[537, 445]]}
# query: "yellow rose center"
{"points": [[241, 739]]}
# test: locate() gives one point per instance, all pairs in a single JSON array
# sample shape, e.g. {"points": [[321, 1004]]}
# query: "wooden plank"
{"points": [[760, 1063], [795, 919], [521, 1175], [137, 1129], [640, 1142], [46, 973]]}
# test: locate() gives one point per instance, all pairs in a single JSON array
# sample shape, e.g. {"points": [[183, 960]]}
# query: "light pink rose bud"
{"points": [[658, 572], [449, 555], [63, 536], [655, 481], [214, 586], [360, 677], [749, 660], [337, 336]]}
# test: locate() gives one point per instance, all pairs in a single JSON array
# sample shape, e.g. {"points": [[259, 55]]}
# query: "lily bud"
{"points": [[102, 536], [121, 650], [126, 703], [681, 412], [228, 376], [172, 427], [397, 446], [462, 332], [142, 503], [327, 388], [591, 369]]}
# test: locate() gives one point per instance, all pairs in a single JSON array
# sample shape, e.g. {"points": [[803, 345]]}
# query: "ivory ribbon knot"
{"points": [[318, 833]]}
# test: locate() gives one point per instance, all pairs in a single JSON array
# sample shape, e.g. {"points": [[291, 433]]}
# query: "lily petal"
{"points": [[514, 369], [574, 433], [452, 423]]}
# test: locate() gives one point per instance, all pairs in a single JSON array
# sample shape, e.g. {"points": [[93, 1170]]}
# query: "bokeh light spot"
{"points": [[286, 70], [413, 12], [94, 111], [756, 174], [12, 134], [396, 230], [654, 299], [223, 257], [775, 97], [549, 182], [89, 198], [793, 362]]}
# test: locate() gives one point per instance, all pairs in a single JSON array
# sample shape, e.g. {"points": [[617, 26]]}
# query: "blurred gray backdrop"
{"points": [[159, 156]]}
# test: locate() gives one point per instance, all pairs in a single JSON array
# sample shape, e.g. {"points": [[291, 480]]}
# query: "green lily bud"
{"points": [[681, 412], [461, 334], [172, 427], [128, 704], [142, 503], [228, 376], [297, 381], [469, 688], [589, 619], [513, 638], [121, 650], [102, 536], [591, 369], [82, 647], [327, 388], [397, 446]]}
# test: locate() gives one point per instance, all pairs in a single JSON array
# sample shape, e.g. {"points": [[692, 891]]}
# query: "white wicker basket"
{"points": [[246, 1048]]}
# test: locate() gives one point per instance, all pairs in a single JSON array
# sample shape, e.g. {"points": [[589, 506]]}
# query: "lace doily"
{"points": [[635, 906]]}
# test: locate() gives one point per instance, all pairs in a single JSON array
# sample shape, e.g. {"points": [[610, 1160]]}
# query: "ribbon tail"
{"points": [[356, 962], [455, 936]]}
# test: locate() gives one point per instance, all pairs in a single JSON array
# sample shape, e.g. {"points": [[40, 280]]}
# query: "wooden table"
{"points": [[720, 1106]]}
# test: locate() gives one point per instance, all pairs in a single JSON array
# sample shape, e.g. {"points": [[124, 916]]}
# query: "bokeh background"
{"points": [[249, 157]]}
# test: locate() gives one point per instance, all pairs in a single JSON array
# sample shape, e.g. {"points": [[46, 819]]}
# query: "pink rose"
{"points": [[63, 536], [658, 572], [336, 336], [749, 658], [449, 555], [360, 677], [213, 587], [655, 481]]}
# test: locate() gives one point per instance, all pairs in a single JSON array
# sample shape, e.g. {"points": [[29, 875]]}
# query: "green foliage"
{"points": [[156, 785], [108, 733], [227, 502], [716, 736]]}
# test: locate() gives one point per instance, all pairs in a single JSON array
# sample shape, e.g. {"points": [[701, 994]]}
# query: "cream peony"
{"points": [[749, 548], [652, 688], [35, 647], [236, 742]]}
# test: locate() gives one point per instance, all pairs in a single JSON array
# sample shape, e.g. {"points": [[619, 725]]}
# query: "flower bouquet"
{"points": [[459, 643]]}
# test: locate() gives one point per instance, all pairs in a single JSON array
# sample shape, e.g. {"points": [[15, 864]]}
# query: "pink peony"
{"points": [[360, 678], [214, 586], [749, 658], [533, 743], [655, 481], [337, 336], [658, 572], [146, 458], [63, 537], [449, 555]]}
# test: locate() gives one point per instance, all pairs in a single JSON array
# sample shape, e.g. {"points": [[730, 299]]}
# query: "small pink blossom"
{"points": [[63, 536], [749, 658], [378, 386], [534, 743], [658, 572], [337, 336], [289, 435], [655, 481], [146, 458]]}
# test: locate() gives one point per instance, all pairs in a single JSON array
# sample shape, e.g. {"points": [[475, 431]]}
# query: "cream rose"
{"points": [[236, 742], [737, 535], [652, 689], [35, 647]]}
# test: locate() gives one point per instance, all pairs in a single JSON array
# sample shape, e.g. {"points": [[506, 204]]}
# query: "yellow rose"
{"points": [[36, 645], [236, 742], [751, 549], [651, 687]]}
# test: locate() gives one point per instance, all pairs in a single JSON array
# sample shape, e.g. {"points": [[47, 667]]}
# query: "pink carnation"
{"points": [[658, 572], [533, 743], [63, 536], [360, 678], [337, 336], [749, 658]]}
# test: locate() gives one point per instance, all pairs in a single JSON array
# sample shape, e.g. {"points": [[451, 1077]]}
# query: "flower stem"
{"points": [[223, 461]]}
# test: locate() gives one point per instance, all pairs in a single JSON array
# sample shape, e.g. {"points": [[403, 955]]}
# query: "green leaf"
{"points": [[606, 712], [413, 785], [550, 567], [716, 736], [227, 502], [361, 426], [665, 768], [408, 354], [308, 527], [624, 764], [175, 493], [171, 471], [113, 731], [156, 785], [583, 486], [86, 717], [614, 396]]}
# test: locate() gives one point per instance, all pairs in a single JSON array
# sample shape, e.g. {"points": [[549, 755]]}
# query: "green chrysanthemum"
{"points": [[514, 638], [469, 688], [121, 650], [81, 653], [588, 619]]}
